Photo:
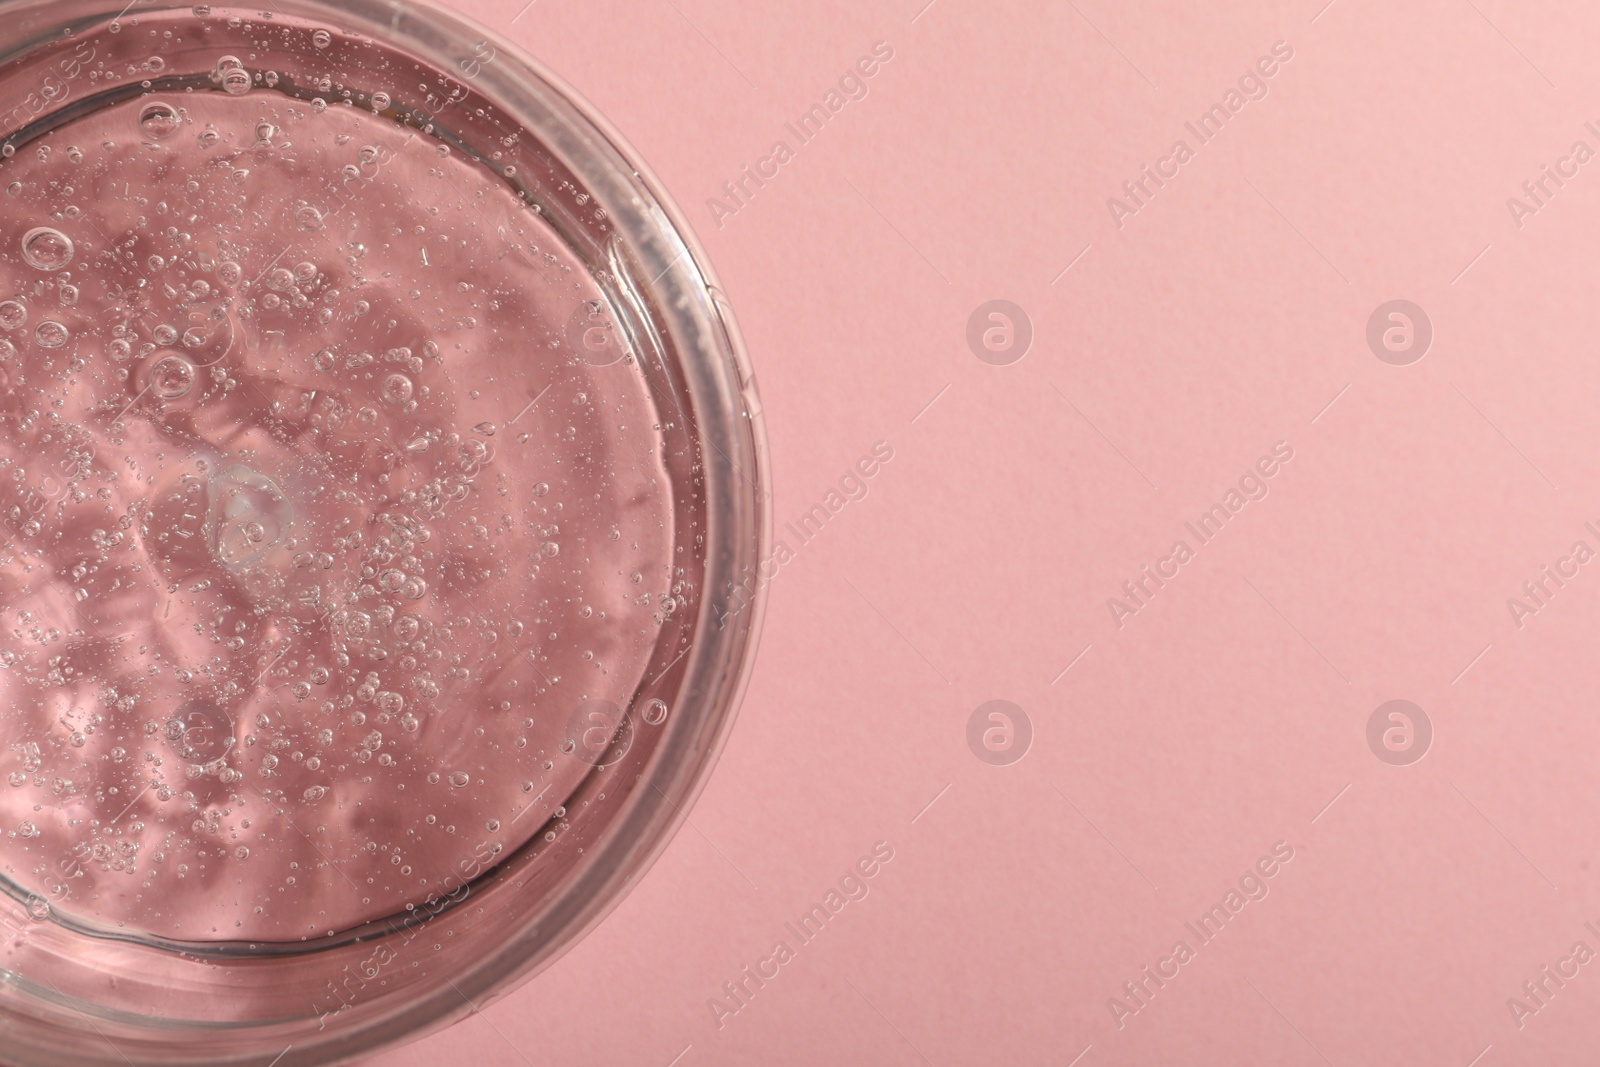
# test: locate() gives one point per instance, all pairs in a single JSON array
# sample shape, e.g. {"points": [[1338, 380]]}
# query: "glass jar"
{"points": [[384, 512]]}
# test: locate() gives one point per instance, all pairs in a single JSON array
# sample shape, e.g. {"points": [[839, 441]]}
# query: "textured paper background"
{"points": [[1230, 713]]}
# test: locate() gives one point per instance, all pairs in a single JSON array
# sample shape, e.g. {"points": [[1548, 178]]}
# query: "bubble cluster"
{"points": [[324, 528]]}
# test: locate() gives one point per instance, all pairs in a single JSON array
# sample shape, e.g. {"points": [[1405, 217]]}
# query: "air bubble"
{"points": [[159, 120], [236, 81], [51, 334], [172, 376], [46, 248]]}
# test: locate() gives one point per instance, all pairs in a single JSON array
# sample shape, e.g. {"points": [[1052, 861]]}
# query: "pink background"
{"points": [[1228, 714]]}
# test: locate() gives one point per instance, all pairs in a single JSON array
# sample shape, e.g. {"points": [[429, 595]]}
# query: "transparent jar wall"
{"points": [[97, 995]]}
